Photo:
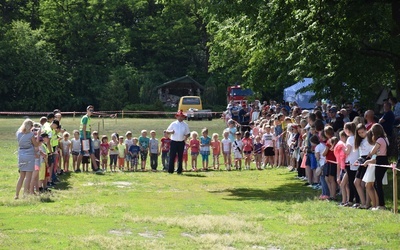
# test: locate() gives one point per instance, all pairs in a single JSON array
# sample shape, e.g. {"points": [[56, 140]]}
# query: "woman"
{"points": [[381, 145], [26, 155]]}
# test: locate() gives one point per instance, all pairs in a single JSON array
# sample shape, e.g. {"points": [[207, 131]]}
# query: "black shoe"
{"points": [[77, 171]]}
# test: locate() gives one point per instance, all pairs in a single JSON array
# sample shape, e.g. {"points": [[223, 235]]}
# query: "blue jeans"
{"points": [[324, 185]]}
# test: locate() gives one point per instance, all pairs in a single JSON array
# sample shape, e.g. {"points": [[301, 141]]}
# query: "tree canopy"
{"points": [[68, 53]]}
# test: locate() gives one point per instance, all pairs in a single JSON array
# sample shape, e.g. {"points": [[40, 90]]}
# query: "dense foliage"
{"points": [[68, 53]]}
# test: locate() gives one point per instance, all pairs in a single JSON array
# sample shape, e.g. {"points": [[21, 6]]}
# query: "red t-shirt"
{"points": [[216, 147], [194, 145], [165, 144], [247, 144], [330, 156]]}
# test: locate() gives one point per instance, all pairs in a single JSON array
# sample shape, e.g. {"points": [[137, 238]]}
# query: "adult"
{"points": [[396, 109], [387, 120], [369, 117], [179, 131], [234, 111], [85, 136], [26, 156], [350, 111], [335, 120], [244, 118]]}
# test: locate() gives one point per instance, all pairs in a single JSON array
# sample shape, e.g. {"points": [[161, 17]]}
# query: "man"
{"points": [[335, 120], [369, 117], [396, 109], [179, 131], [85, 134], [350, 111], [235, 112], [244, 118], [387, 120]]}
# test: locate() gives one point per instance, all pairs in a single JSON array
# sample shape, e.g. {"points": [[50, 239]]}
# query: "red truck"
{"points": [[238, 94]]}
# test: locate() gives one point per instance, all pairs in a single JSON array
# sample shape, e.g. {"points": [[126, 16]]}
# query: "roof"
{"points": [[184, 80]]}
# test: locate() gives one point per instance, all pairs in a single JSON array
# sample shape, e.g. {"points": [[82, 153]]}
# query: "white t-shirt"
{"points": [[365, 147], [180, 130], [268, 140], [76, 145], [353, 156], [226, 145], [320, 148]]}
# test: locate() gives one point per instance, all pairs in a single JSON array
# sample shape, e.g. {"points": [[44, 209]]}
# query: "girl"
{"points": [[339, 147], [194, 145], [185, 154], [121, 148], [104, 148], [381, 145], [268, 141], [294, 147], [247, 149], [364, 147], [232, 130], [205, 142], [258, 152], [278, 131], [216, 147], [331, 168], [237, 147], [113, 151], [65, 151], [319, 150], [75, 150], [226, 146], [96, 147], [351, 158]]}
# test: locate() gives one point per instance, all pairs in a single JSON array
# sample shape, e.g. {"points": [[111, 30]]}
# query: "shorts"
{"points": [[85, 159], [361, 172], [227, 153], [113, 160], [247, 152], [194, 153], [311, 161], [332, 169], [128, 157], [121, 161], [205, 153], [75, 153], [269, 151], [104, 157], [238, 155], [134, 160], [215, 155], [143, 155]]}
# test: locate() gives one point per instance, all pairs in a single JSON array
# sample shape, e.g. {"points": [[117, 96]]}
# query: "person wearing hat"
{"points": [[179, 131], [85, 134]]}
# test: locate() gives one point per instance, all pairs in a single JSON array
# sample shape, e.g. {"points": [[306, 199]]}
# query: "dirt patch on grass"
{"points": [[120, 232], [152, 235]]}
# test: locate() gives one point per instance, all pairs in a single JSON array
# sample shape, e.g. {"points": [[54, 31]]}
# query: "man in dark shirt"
{"points": [[387, 120]]}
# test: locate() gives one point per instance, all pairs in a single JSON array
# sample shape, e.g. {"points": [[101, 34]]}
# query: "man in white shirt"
{"points": [[179, 131]]}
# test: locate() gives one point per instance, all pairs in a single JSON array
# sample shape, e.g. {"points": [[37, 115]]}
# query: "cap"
{"points": [[180, 114], [333, 109]]}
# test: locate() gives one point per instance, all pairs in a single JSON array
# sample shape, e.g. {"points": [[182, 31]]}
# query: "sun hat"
{"points": [[180, 114]]}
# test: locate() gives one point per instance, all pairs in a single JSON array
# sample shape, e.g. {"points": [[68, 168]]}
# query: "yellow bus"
{"points": [[187, 102]]}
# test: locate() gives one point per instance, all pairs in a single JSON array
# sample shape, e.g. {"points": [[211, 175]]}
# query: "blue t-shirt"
{"points": [[134, 149], [205, 141], [144, 142]]}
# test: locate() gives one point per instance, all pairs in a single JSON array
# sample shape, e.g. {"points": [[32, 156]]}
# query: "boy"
{"points": [[144, 148], [237, 147], [134, 151], [121, 153], [154, 151], [164, 148], [268, 141]]}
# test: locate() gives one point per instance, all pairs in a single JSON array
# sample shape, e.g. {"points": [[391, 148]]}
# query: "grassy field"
{"points": [[267, 209]]}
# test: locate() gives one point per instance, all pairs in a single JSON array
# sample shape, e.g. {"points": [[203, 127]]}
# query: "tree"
{"points": [[29, 75]]}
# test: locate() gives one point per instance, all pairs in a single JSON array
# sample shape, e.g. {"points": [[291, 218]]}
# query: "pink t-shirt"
{"points": [[216, 147], [340, 155], [383, 143], [194, 145], [247, 144]]}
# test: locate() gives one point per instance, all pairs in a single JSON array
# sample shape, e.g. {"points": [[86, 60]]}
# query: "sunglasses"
{"points": [[91, 110]]}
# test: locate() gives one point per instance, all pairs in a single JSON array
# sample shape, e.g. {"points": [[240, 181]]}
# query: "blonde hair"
{"points": [[204, 130], [65, 134], [143, 131], [26, 126], [76, 131], [215, 135], [194, 133]]}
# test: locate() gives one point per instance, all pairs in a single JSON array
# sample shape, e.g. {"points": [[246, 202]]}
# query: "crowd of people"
{"points": [[338, 150], [331, 148]]}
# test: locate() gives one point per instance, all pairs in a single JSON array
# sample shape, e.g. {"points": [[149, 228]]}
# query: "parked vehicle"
{"points": [[193, 107], [237, 94]]}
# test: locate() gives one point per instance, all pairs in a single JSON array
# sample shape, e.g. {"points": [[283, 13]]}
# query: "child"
{"points": [[232, 130], [237, 148], [216, 147], [194, 145], [247, 149], [154, 152], [113, 151], [258, 152], [351, 158], [43, 163], [268, 141], [205, 142], [128, 143], [164, 148], [85, 162], [121, 153], [65, 151], [319, 151], [185, 154], [104, 148], [226, 146], [75, 150], [144, 148], [96, 147], [339, 147], [134, 151]]}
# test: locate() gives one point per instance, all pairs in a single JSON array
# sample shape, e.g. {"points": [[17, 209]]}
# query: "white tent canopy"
{"points": [[290, 94]]}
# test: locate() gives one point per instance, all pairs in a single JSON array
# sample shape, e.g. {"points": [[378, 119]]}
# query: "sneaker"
{"points": [[99, 171], [323, 197], [77, 171]]}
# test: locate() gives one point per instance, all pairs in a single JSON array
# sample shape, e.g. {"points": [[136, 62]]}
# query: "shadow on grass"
{"points": [[288, 192], [64, 183], [194, 175]]}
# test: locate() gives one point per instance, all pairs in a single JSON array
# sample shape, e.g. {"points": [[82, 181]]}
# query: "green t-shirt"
{"points": [[85, 121]]}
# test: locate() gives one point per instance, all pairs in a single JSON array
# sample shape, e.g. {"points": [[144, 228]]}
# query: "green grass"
{"points": [[213, 210]]}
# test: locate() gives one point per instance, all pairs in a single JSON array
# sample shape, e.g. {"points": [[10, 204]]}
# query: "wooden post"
{"points": [[102, 118], [122, 114], [98, 127], [395, 196], [73, 117]]}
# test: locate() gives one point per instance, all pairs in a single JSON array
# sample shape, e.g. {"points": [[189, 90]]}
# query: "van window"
{"points": [[191, 101]]}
